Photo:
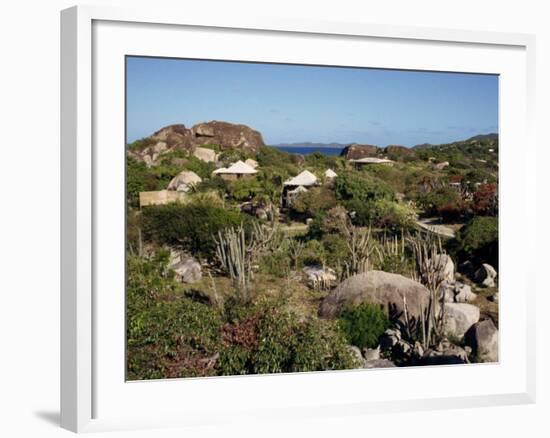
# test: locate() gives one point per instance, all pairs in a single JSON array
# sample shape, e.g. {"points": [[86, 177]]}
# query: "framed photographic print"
{"points": [[280, 217]]}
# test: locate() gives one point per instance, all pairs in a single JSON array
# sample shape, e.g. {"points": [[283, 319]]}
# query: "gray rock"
{"points": [[205, 154], [463, 293], [459, 317], [188, 270], [486, 275], [448, 290], [457, 292], [371, 353], [317, 276], [379, 363], [377, 287], [482, 337]]}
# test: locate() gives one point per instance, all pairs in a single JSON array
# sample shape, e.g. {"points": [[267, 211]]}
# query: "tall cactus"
{"points": [[427, 250], [237, 253]]}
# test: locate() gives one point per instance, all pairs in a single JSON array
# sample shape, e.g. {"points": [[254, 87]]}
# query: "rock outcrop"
{"points": [[356, 151], [227, 136], [398, 150], [377, 287]]}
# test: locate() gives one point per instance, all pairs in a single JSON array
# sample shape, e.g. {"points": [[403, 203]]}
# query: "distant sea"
{"points": [[309, 150]]}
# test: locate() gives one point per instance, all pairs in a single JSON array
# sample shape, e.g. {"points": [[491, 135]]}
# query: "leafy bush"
{"points": [[270, 339], [361, 187], [477, 241], [138, 179], [381, 213], [166, 337], [436, 200], [314, 201], [364, 324], [485, 200], [190, 227]]}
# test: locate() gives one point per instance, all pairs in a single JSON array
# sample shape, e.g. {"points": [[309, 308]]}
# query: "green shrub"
{"points": [[166, 337], [364, 324], [138, 179], [381, 213], [190, 227], [477, 241], [270, 339], [361, 187], [313, 202]]}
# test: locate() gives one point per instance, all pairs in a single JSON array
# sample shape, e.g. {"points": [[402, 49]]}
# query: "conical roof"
{"points": [[306, 178]]}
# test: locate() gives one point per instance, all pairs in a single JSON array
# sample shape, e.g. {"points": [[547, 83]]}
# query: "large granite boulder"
{"points": [[356, 151], [184, 181], [482, 337], [459, 317], [205, 154], [377, 287]]}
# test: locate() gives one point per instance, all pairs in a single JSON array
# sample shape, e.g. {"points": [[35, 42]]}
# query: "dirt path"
{"points": [[432, 226]]}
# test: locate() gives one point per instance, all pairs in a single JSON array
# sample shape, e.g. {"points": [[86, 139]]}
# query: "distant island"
{"points": [[335, 145]]}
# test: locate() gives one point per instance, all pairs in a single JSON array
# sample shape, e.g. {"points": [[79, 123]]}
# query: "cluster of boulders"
{"points": [[357, 151], [405, 302], [226, 136]]}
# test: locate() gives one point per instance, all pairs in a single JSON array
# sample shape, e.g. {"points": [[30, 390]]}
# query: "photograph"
{"points": [[286, 218]]}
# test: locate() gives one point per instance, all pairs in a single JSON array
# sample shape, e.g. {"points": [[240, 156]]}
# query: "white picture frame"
{"points": [[86, 353]]}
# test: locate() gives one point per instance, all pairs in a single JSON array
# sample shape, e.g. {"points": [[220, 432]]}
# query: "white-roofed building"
{"points": [[299, 184], [235, 171], [305, 178]]}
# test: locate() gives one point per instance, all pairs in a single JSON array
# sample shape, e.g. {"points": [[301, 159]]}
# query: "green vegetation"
{"points": [[364, 324], [477, 241], [190, 227], [254, 308]]}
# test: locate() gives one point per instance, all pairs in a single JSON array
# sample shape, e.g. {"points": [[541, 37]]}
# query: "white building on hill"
{"points": [[235, 171]]}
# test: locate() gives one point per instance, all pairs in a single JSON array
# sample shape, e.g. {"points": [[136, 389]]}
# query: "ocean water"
{"points": [[309, 150]]}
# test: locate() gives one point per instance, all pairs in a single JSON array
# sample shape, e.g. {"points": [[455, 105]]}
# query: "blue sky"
{"points": [[289, 103]]}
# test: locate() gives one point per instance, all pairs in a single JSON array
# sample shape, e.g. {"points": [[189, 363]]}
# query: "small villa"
{"points": [[371, 161], [235, 171], [299, 184]]}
